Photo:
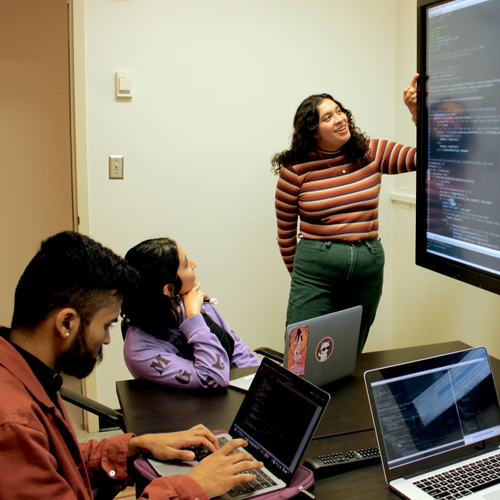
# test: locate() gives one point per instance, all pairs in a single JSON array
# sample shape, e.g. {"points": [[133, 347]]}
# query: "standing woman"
{"points": [[330, 178], [174, 337]]}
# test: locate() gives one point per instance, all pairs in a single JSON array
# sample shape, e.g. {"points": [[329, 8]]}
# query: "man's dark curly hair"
{"points": [[70, 270], [305, 125]]}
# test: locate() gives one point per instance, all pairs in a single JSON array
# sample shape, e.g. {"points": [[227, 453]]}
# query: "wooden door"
{"points": [[36, 197]]}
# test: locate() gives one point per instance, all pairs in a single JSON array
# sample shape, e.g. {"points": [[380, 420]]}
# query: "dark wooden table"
{"points": [[150, 407], [346, 425]]}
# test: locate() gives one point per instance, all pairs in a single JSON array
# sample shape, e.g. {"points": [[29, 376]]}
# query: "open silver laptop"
{"points": [[437, 422], [277, 417], [324, 349]]}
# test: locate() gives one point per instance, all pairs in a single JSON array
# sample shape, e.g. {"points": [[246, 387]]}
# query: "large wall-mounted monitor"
{"points": [[458, 138]]}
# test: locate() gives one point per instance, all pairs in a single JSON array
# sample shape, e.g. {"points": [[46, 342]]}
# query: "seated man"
{"points": [[65, 302]]}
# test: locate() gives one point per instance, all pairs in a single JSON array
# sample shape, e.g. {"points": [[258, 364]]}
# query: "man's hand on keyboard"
{"points": [[171, 445], [222, 470]]}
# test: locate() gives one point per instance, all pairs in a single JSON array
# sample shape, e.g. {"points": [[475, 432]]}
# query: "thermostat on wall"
{"points": [[123, 83]]}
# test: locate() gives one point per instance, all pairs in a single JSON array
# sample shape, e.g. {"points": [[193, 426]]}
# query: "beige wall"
{"points": [[216, 85]]}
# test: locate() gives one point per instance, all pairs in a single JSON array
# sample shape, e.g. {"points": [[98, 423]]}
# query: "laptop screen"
{"points": [[278, 417], [429, 407]]}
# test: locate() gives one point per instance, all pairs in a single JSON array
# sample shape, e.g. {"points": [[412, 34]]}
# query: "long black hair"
{"points": [[305, 126], [147, 307]]}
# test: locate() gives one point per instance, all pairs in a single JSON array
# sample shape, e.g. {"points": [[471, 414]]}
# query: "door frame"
{"points": [[78, 127]]}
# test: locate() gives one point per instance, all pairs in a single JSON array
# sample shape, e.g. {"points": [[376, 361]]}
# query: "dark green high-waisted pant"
{"points": [[330, 276]]}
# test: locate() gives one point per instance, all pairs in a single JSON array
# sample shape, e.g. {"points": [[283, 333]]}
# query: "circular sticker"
{"points": [[324, 349]]}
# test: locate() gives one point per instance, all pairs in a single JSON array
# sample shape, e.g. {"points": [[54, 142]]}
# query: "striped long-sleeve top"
{"points": [[335, 200]]}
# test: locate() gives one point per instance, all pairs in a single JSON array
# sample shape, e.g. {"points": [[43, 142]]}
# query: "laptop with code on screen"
{"points": [[277, 417], [437, 422]]}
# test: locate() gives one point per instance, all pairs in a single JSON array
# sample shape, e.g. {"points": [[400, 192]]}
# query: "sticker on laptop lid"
{"points": [[324, 349], [297, 350]]}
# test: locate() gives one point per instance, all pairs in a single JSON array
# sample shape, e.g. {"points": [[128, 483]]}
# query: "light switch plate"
{"points": [[123, 84], [116, 167]]}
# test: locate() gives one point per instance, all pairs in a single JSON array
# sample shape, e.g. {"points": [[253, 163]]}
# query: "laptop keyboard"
{"points": [[463, 481], [261, 482]]}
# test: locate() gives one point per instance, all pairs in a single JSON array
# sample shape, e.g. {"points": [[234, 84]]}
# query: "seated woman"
{"points": [[174, 336]]}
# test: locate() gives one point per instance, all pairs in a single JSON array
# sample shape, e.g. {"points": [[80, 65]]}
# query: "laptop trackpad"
{"points": [[494, 495]]}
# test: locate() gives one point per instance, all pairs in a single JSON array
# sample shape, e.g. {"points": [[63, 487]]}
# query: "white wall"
{"points": [[216, 85]]}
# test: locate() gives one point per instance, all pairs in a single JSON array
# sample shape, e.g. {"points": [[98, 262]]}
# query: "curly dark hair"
{"points": [[147, 307], [305, 125], [70, 270]]}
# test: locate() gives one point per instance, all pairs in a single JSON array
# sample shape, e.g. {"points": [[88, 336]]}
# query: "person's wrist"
{"points": [[132, 448], [189, 313], [136, 446]]}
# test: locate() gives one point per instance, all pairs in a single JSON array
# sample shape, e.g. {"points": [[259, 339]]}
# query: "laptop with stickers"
{"points": [[324, 349], [437, 422]]}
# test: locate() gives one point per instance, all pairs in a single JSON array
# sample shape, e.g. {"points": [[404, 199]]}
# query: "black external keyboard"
{"points": [[336, 463]]}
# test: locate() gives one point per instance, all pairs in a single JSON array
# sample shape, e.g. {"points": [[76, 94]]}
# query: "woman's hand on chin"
{"points": [[193, 301]]}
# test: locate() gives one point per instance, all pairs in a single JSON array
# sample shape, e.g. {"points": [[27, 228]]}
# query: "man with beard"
{"points": [[65, 303]]}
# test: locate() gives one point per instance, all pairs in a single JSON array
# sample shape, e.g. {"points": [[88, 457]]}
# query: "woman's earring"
{"points": [[67, 334]]}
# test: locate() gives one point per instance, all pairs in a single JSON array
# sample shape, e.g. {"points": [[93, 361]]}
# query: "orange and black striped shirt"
{"points": [[335, 200]]}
